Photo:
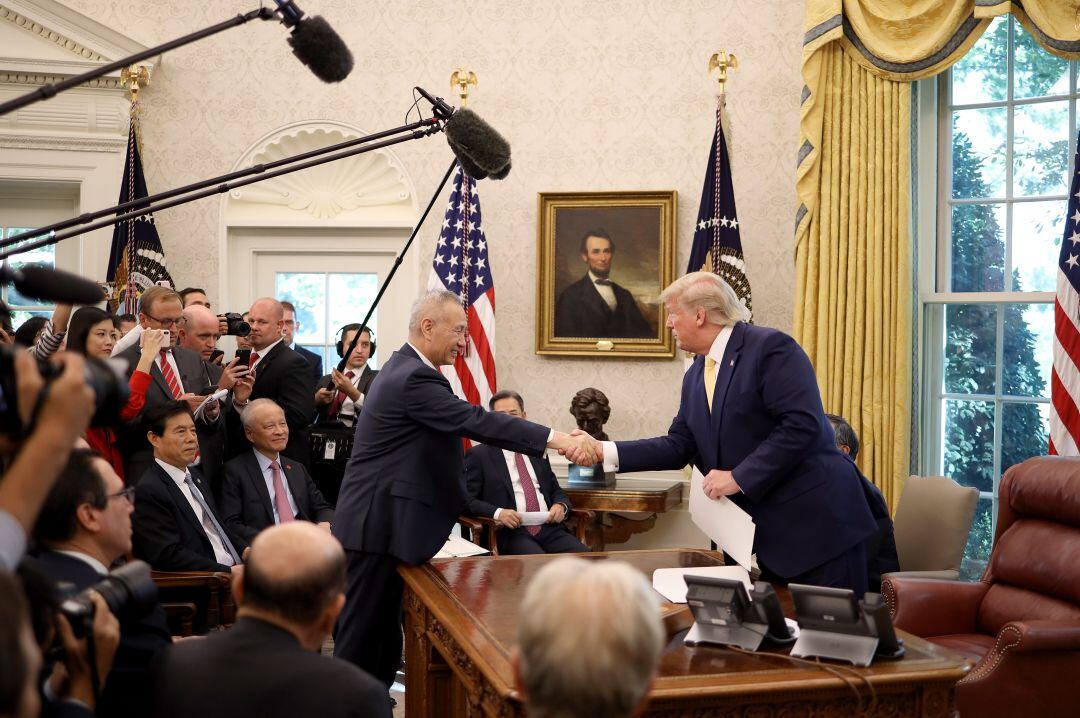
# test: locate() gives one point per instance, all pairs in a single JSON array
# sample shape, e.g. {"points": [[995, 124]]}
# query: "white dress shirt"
{"points": [[264, 351], [716, 351], [221, 554], [515, 481], [89, 560], [422, 357], [348, 406], [268, 477], [605, 290]]}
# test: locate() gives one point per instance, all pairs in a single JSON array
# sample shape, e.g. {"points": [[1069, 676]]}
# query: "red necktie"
{"points": [[169, 376], [531, 504], [252, 359], [281, 499], [339, 398]]}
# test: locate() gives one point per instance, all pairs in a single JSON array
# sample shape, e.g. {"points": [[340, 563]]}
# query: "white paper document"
{"points": [[533, 518], [723, 521], [457, 547], [671, 584], [216, 396]]}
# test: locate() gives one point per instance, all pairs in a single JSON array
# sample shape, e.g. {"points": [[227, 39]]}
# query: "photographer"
{"points": [[63, 412], [83, 529]]}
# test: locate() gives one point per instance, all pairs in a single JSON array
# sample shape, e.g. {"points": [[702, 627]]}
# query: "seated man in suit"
{"points": [[262, 487], [339, 396], [496, 488], [881, 555], [83, 528], [603, 655], [268, 664], [176, 523]]}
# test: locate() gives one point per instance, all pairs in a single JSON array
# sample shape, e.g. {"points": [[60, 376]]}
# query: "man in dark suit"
{"points": [[83, 528], [339, 395], [751, 421], [280, 374], [595, 306], [177, 374], [290, 325], [177, 525], [502, 485], [268, 663], [262, 487], [403, 485]]}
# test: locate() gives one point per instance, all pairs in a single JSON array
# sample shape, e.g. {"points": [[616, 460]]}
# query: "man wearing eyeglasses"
{"points": [[177, 374], [83, 528]]}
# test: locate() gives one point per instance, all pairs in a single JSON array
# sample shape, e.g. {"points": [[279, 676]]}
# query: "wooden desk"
{"points": [[630, 495], [461, 621]]}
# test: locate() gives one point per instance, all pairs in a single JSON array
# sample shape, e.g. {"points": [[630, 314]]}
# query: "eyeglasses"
{"points": [[128, 493], [164, 322]]}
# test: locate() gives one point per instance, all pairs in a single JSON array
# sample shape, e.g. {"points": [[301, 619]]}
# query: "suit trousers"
{"points": [[368, 632], [552, 538], [848, 570]]}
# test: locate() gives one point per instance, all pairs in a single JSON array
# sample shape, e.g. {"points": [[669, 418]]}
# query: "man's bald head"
{"points": [[199, 330], [295, 571], [267, 320]]}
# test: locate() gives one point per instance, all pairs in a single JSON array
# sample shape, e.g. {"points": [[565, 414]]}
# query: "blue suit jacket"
{"points": [[767, 426], [403, 486]]}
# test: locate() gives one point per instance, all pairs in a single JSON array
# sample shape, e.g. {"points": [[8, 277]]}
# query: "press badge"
{"points": [[329, 450]]}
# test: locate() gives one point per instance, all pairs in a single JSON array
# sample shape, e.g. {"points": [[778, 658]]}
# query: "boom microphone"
{"points": [[40, 282], [316, 44], [479, 148]]}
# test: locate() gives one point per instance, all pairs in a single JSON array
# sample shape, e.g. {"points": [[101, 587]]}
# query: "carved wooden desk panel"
{"points": [[461, 622], [631, 495]]}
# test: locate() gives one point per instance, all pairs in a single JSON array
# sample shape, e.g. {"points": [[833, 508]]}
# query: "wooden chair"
{"points": [[481, 529], [208, 592]]}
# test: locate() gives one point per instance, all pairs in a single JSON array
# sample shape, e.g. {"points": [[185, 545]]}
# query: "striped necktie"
{"points": [[170, 376], [527, 488]]}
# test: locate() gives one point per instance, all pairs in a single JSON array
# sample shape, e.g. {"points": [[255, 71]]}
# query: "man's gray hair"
{"points": [[426, 304], [705, 290], [248, 414], [590, 637]]}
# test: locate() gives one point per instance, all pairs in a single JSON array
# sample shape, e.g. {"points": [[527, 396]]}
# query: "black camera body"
{"points": [[129, 592], [235, 324]]}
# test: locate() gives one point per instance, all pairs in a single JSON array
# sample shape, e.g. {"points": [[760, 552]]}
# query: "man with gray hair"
{"points": [[751, 420], [403, 487], [607, 606]]}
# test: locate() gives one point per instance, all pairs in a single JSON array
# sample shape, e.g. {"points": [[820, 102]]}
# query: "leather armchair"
{"points": [[1020, 623], [207, 593], [482, 528]]}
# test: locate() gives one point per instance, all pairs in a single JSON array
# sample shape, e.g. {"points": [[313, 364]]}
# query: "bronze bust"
{"points": [[591, 410]]}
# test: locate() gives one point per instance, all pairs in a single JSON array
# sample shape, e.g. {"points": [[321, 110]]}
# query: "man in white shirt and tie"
{"points": [[176, 521], [504, 485], [340, 395]]}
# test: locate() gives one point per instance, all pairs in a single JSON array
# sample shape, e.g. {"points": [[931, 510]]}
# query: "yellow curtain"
{"points": [[853, 245]]}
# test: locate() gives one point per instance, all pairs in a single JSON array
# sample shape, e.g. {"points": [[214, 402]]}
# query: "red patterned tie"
{"points": [[170, 377], [281, 500], [252, 359], [339, 398], [531, 504]]}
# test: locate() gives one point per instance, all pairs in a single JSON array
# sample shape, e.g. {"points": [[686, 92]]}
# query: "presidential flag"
{"points": [[717, 247], [461, 266], [1065, 377], [137, 260]]}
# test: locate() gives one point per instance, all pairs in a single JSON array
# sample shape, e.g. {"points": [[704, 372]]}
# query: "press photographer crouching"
{"points": [[83, 529]]}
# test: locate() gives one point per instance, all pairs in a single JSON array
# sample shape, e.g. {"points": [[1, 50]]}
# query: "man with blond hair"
{"points": [[608, 607], [751, 420]]}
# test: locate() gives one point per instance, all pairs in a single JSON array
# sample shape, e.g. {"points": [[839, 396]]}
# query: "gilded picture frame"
{"points": [[602, 260]]}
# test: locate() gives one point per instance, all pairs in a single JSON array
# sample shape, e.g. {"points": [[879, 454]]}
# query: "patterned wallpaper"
{"points": [[592, 96]]}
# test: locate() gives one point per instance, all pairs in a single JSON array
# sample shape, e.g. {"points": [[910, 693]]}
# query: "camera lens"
{"points": [[235, 325]]}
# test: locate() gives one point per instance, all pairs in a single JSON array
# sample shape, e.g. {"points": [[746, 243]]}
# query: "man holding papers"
{"points": [[751, 421]]}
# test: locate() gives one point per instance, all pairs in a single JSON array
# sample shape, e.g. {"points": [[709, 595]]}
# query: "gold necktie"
{"points": [[710, 379]]}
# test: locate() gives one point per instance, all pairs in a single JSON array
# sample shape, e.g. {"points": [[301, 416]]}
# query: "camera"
{"points": [[129, 592], [107, 381], [237, 327]]}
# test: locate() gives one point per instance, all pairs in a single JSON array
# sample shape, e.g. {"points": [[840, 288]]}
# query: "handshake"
{"points": [[578, 447]]}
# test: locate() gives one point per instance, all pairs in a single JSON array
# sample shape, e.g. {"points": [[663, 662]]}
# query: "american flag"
{"points": [[1065, 378], [717, 247], [461, 266]]}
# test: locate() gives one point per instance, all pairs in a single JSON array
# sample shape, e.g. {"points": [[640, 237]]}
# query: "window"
{"points": [[22, 307], [996, 139], [324, 303]]}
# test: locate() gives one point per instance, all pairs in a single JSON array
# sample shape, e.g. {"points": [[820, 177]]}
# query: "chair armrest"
{"points": [[479, 526], [583, 518], [183, 614], [1045, 635], [583, 514], [472, 523], [946, 575], [932, 607]]}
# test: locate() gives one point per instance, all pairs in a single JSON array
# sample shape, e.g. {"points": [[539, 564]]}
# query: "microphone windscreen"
{"points": [[316, 45], [479, 148], [55, 285]]}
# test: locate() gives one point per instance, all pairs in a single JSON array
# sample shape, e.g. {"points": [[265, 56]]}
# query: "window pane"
{"points": [[1036, 242], [350, 297], [1027, 350], [321, 351], [980, 540], [969, 348], [1036, 72], [969, 443], [978, 248], [980, 75], [17, 318], [978, 147], [1041, 149], [43, 255], [307, 292], [1025, 432]]}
